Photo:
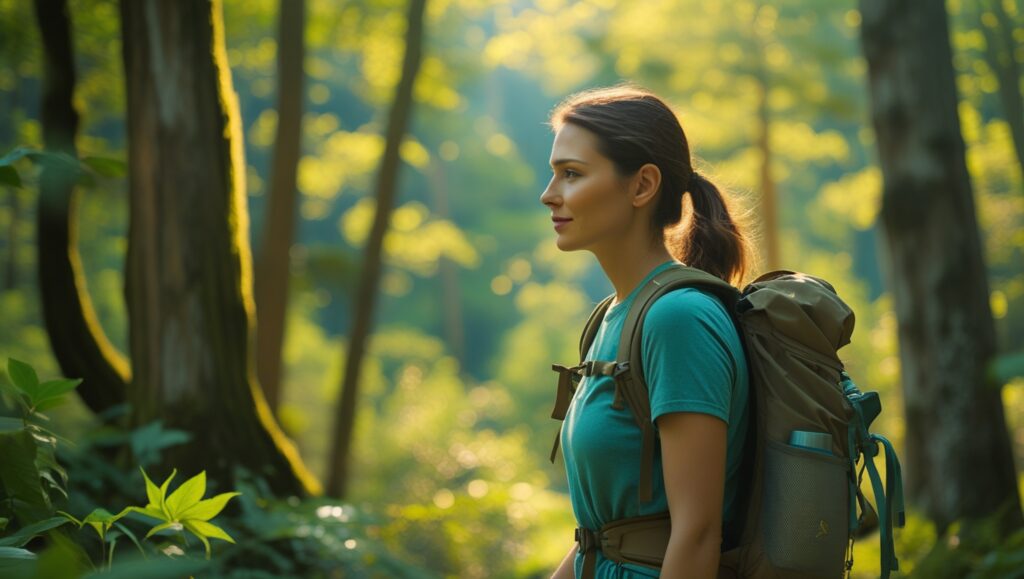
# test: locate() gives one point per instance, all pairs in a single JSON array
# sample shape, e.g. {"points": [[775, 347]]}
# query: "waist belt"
{"points": [[636, 540]]}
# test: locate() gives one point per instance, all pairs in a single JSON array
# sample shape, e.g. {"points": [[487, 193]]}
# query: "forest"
{"points": [[279, 297]]}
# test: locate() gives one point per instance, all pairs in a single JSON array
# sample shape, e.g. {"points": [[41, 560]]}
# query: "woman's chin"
{"points": [[565, 244]]}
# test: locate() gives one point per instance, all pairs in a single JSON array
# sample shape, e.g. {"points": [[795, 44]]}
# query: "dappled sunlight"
{"points": [[449, 473]]}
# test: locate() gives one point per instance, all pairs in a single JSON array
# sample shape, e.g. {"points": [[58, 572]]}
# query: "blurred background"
{"points": [[435, 463]]}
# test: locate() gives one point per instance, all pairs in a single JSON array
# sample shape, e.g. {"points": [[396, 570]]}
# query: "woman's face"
{"points": [[589, 200]]}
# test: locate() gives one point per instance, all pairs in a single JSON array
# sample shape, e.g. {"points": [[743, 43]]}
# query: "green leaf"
{"points": [[20, 476], [151, 512], [152, 492], [8, 424], [55, 388], [208, 509], [128, 533], [187, 495], [163, 490], [16, 553], [9, 176], [25, 534], [47, 403], [23, 376], [209, 530], [106, 167], [101, 520], [202, 538], [70, 518], [16, 154], [174, 525], [147, 441]]}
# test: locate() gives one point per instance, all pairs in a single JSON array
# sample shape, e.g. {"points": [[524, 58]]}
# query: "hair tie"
{"points": [[694, 178]]}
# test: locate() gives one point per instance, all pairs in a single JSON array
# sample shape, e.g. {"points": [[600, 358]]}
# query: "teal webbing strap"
{"points": [[889, 561], [888, 497]]}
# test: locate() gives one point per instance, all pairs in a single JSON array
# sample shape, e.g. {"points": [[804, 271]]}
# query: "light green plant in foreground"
{"points": [[185, 508]]}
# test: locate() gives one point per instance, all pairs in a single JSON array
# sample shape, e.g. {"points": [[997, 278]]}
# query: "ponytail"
{"points": [[711, 239]]}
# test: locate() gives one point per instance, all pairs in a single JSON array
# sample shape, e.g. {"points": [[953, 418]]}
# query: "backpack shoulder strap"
{"points": [[567, 377], [631, 384], [593, 325]]}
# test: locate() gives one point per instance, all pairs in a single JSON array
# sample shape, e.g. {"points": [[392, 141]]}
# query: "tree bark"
{"points": [[272, 271], [366, 296], [959, 463], [769, 195], [1000, 48], [189, 265], [81, 348]]}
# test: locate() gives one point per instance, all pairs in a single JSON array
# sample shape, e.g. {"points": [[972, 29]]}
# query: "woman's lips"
{"points": [[560, 222]]}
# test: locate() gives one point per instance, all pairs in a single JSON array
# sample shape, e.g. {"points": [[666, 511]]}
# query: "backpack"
{"points": [[808, 443]]}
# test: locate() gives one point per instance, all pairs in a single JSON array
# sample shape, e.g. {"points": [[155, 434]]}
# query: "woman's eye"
{"points": [[570, 174]]}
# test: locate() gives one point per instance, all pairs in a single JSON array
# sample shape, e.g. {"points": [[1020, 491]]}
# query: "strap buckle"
{"points": [[586, 539]]}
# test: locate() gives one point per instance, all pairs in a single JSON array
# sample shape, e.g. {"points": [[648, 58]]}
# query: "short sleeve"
{"points": [[690, 355]]}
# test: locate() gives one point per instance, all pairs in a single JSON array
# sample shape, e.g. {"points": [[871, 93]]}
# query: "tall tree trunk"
{"points": [[366, 296], [272, 271], [769, 195], [1000, 53], [959, 459], [81, 348], [189, 264]]}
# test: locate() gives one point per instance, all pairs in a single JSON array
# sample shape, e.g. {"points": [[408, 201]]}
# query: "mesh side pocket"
{"points": [[805, 510]]}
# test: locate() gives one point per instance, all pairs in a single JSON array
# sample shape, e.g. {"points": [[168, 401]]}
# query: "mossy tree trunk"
{"points": [[189, 265], [78, 342], [959, 463]]}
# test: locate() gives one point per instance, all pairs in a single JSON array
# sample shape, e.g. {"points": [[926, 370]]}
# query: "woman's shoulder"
{"points": [[686, 306]]}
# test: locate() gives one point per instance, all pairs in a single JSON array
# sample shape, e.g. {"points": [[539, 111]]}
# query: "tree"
{"points": [[188, 270], [272, 271], [79, 344], [369, 280], [1001, 50], [959, 459]]}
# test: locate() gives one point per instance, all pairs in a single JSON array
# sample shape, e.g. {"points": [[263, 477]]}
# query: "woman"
{"points": [[622, 171]]}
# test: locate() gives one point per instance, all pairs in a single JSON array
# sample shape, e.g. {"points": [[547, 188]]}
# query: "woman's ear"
{"points": [[647, 181]]}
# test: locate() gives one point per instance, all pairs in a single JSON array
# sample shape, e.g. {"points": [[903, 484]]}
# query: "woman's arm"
{"points": [[567, 569], [693, 449]]}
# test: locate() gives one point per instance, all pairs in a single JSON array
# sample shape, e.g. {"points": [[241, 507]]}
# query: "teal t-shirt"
{"points": [[693, 361]]}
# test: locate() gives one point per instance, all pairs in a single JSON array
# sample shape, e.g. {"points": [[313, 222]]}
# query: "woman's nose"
{"points": [[548, 197]]}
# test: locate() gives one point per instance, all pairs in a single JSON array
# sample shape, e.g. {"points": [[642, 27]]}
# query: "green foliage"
{"points": [[185, 508], [439, 417]]}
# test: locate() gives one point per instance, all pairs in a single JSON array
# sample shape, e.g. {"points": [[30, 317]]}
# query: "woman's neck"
{"points": [[626, 268]]}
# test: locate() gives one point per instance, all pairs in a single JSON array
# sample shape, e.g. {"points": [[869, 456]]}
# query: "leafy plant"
{"points": [[31, 476], [185, 508]]}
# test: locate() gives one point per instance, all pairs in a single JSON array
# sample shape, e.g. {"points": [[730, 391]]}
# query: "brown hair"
{"points": [[634, 127]]}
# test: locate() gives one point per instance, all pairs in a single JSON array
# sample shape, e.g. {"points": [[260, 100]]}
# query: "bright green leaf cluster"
{"points": [[185, 508]]}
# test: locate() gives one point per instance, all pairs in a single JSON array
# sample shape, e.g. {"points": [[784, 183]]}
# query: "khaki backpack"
{"points": [[808, 445]]}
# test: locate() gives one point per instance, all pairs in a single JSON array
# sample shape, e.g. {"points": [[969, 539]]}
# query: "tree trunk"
{"points": [[81, 348], [272, 271], [1000, 48], [189, 265], [769, 196], [366, 296], [959, 461]]}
